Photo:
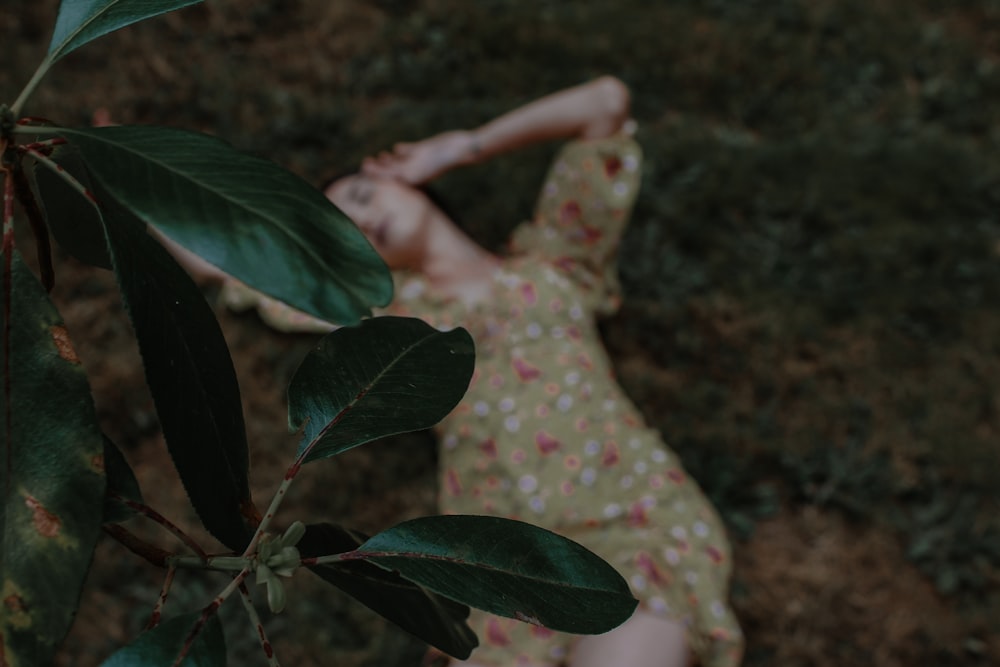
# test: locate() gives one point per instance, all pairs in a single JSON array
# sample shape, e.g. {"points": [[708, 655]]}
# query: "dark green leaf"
{"points": [[122, 485], [160, 646], [436, 620], [190, 375], [53, 485], [247, 216], [81, 21], [508, 568], [389, 375], [71, 218]]}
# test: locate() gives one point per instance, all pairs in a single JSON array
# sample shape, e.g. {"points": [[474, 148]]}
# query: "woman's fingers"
{"points": [[403, 149]]}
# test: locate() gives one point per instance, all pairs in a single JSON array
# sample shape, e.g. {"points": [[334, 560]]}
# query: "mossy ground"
{"points": [[812, 276]]}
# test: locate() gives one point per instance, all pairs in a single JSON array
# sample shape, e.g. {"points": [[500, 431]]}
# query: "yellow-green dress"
{"points": [[546, 435]]}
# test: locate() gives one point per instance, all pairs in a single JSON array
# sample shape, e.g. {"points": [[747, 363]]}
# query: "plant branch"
{"points": [[155, 516], [45, 147], [265, 643], [154, 618], [272, 509], [217, 563], [29, 88], [8, 287], [152, 554], [208, 612], [62, 173], [43, 244]]}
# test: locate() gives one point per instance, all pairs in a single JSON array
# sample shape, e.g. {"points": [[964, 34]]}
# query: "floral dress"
{"points": [[546, 435]]}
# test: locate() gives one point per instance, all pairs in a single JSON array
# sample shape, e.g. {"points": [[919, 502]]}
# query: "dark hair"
{"points": [[432, 193]]}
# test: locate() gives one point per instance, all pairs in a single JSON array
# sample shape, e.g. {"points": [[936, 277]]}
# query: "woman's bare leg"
{"points": [[644, 640]]}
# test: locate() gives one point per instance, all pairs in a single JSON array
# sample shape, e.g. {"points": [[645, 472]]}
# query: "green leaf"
{"points": [[72, 219], [431, 618], [81, 21], [508, 568], [190, 374], [389, 375], [160, 646], [247, 216], [122, 485], [53, 484]]}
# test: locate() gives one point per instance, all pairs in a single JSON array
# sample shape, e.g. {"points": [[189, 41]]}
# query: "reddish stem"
{"points": [[151, 554], [208, 612], [155, 516], [8, 287], [154, 618]]}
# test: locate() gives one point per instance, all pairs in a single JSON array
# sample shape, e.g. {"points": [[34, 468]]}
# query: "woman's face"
{"points": [[395, 217]]}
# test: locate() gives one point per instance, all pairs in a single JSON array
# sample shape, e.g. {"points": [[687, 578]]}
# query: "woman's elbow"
{"points": [[616, 96], [612, 106]]}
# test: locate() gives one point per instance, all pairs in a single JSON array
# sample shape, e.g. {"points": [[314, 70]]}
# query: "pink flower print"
{"points": [[582, 424], [588, 234], [539, 632], [573, 332], [496, 381], [452, 483], [489, 448], [529, 296], [555, 305], [569, 212], [612, 165], [572, 462], [565, 263], [637, 515], [714, 554], [546, 443], [676, 475], [585, 361], [611, 454], [495, 634], [567, 488], [525, 371], [651, 570]]}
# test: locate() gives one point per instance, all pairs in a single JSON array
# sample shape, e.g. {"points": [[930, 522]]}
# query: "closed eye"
{"points": [[361, 192]]}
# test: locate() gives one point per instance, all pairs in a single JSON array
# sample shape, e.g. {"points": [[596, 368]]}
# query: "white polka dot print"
{"points": [[527, 483]]}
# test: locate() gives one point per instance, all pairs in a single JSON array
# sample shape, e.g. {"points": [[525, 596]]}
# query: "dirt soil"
{"points": [[816, 584]]}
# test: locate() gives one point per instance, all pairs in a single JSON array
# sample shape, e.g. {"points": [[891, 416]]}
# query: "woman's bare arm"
{"points": [[592, 110]]}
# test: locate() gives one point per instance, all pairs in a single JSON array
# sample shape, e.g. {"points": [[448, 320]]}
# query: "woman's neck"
{"points": [[457, 266]]}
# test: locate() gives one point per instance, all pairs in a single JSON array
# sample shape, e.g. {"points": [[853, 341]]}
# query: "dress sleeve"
{"points": [[581, 214]]}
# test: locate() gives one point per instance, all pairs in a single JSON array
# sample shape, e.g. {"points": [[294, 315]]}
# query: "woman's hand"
{"points": [[422, 161]]}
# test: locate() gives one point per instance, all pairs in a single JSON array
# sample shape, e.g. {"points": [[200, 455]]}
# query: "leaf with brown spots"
{"points": [[52, 492]]}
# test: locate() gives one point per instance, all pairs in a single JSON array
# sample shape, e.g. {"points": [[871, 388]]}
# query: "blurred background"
{"points": [[812, 278]]}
